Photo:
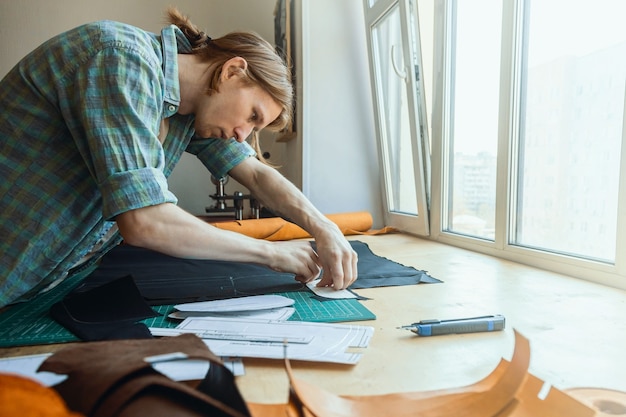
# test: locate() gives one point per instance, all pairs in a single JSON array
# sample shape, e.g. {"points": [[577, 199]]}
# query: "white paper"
{"points": [[178, 370], [27, 366], [251, 303], [232, 335], [330, 292], [327, 342], [195, 369], [280, 314], [183, 370]]}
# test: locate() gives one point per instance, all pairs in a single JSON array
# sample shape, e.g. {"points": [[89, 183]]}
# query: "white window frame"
{"points": [[612, 274], [604, 273], [418, 224]]}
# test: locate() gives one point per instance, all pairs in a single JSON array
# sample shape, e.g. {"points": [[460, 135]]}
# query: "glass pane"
{"points": [[392, 94], [473, 134], [571, 127]]}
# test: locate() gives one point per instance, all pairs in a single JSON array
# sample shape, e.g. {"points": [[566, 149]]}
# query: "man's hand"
{"points": [[338, 261], [297, 257], [334, 254]]}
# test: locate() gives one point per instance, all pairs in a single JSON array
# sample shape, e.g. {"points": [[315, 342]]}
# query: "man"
{"points": [[95, 119]]}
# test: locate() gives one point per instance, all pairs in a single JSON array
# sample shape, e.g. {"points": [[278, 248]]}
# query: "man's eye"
{"points": [[254, 117]]}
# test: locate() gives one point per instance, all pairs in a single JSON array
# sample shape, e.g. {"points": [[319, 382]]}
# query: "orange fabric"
{"points": [[24, 397], [276, 228]]}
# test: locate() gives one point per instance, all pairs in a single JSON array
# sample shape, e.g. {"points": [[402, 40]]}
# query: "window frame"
{"points": [[374, 11], [507, 157]]}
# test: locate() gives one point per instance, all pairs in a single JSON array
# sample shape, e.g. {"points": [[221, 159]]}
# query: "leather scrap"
{"points": [[111, 378], [509, 391], [107, 312], [24, 397], [107, 379]]}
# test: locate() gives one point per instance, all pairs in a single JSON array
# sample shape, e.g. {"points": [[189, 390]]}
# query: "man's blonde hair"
{"points": [[265, 67]]}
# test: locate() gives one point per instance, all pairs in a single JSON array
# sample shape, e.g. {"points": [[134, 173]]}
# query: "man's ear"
{"points": [[234, 66]]}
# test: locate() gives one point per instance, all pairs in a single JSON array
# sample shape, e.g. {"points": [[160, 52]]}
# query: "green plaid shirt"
{"points": [[79, 145]]}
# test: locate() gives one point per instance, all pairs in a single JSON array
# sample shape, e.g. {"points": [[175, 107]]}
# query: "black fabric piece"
{"points": [[99, 331], [164, 279], [106, 312], [377, 271]]}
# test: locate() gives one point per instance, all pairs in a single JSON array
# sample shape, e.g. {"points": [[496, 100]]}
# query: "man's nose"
{"points": [[242, 133]]}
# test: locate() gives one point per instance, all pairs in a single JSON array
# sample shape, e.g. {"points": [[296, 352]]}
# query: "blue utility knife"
{"points": [[468, 325]]}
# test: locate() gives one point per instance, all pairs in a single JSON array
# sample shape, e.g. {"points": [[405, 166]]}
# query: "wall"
{"points": [[340, 164], [332, 159], [25, 24]]}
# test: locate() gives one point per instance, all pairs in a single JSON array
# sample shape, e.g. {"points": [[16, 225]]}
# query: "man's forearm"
{"points": [[169, 229], [281, 196]]}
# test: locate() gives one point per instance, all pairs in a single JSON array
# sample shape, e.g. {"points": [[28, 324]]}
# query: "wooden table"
{"points": [[577, 329]]}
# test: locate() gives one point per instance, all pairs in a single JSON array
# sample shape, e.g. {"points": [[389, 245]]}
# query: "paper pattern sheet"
{"points": [[229, 305], [308, 341], [280, 314], [329, 292]]}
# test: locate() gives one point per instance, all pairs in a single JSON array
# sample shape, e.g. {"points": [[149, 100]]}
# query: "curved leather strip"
{"points": [[468, 404], [112, 361], [556, 404], [270, 410], [491, 402], [484, 384], [445, 402]]}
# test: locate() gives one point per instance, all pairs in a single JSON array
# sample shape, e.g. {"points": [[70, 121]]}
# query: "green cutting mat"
{"points": [[29, 323], [308, 308]]}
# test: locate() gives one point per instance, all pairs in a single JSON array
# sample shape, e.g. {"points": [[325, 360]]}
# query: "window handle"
{"points": [[399, 73]]}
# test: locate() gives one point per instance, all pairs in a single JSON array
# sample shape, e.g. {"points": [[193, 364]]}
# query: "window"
{"points": [[570, 132], [399, 103], [472, 123], [527, 127]]}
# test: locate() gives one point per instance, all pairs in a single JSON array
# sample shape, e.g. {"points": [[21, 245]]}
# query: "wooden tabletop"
{"points": [[577, 329]]}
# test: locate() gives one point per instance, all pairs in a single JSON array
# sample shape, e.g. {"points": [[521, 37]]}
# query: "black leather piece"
{"points": [[107, 312], [163, 279]]}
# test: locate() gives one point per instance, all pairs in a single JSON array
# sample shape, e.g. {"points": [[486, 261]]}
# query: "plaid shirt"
{"points": [[79, 145]]}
